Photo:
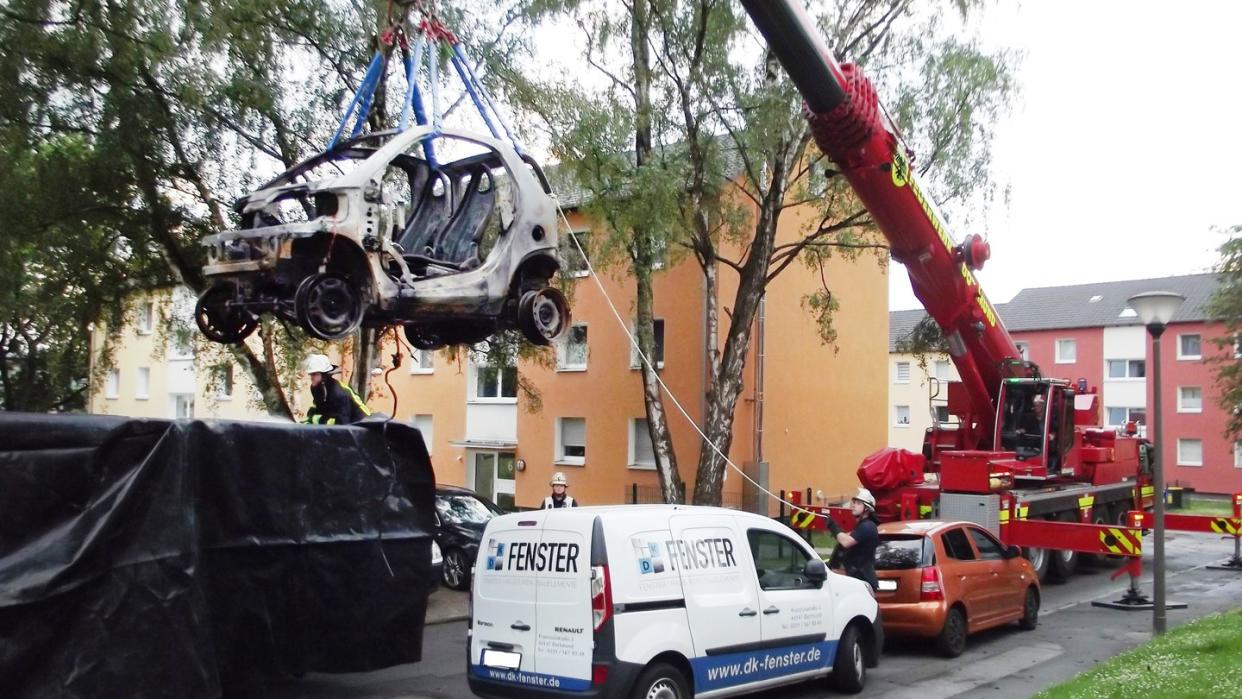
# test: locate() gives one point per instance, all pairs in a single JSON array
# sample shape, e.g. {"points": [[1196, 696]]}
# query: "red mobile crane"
{"points": [[1024, 444]]}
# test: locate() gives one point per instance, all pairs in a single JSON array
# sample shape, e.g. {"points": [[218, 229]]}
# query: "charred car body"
{"points": [[377, 231]]}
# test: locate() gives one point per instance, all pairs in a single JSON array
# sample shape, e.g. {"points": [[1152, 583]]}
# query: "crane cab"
{"points": [[1035, 421]]}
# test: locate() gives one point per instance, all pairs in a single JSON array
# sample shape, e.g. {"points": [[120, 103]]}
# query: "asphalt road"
{"points": [[1072, 636]]}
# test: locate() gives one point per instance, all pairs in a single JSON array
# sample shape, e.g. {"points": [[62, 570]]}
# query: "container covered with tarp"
{"points": [[179, 558]]}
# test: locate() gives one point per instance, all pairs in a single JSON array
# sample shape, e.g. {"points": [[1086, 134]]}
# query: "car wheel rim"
{"points": [[858, 660], [663, 689], [453, 569]]}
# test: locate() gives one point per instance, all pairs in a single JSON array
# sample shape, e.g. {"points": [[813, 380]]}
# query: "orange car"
{"points": [[944, 580]]}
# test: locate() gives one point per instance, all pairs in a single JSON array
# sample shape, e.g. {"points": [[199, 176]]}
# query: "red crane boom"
{"points": [[853, 130]]}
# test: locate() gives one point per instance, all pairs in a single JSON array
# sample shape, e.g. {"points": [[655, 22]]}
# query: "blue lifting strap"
{"points": [[369, 82]]}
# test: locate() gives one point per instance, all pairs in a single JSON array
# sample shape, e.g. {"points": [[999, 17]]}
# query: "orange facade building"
{"points": [[823, 408]]}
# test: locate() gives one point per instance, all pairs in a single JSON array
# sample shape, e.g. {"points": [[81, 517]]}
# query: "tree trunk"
{"points": [[672, 489], [727, 380], [363, 356]]}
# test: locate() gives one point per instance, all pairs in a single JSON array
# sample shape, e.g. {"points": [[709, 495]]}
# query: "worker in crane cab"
{"points": [[334, 403], [857, 554], [560, 496]]}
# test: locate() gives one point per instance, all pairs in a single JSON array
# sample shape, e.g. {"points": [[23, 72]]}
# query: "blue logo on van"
{"points": [[495, 555], [649, 558]]}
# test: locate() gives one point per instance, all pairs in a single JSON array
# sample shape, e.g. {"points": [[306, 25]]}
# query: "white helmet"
{"points": [[558, 478], [319, 364], [866, 498]]}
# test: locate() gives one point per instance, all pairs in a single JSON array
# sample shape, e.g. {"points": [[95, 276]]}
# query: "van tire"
{"points": [[952, 639], [849, 671], [661, 681]]}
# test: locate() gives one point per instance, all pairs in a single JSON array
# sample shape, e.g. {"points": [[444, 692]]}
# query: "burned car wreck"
{"points": [[384, 229]]}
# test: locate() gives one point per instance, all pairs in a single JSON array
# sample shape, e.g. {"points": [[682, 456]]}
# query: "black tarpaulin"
{"points": [[178, 558]]}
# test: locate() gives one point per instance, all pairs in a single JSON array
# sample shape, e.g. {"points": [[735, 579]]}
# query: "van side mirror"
{"points": [[815, 570], [1013, 551]]}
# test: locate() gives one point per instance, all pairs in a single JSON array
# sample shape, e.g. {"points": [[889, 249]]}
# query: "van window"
{"points": [[902, 552], [779, 562], [957, 546]]}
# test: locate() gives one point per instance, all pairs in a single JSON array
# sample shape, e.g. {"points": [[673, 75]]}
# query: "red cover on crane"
{"points": [[891, 468]]}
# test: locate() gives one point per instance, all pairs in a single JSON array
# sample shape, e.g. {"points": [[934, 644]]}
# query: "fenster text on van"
{"points": [[543, 557], [700, 553]]}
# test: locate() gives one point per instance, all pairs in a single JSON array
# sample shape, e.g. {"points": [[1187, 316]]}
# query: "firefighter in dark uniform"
{"points": [[559, 496], [335, 403], [858, 547]]}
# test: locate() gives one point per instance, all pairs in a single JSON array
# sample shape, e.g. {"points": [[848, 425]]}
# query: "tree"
{"points": [[1225, 305], [732, 153], [177, 107]]}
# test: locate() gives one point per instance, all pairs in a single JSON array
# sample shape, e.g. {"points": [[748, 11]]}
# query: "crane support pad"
{"points": [[1207, 524], [1068, 536], [178, 558]]}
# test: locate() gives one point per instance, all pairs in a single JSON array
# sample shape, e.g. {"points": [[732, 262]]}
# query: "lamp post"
{"points": [[1155, 309]]}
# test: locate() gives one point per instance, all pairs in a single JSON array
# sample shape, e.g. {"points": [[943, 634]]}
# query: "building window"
{"points": [[1118, 417], [1127, 312], [424, 425], [575, 265], [1127, 368], [143, 390], [1237, 454], [943, 370], [571, 441], [642, 451], [571, 350], [1024, 350], [182, 405], [146, 318], [180, 344], [1189, 346], [112, 384], [1189, 399], [901, 417], [903, 372], [1067, 351], [495, 383], [422, 361], [1189, 452], [635, 363], [942, 414], [224, 383]]}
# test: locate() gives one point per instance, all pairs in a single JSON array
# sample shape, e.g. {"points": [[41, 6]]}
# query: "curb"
{"points": [[446, 619]]}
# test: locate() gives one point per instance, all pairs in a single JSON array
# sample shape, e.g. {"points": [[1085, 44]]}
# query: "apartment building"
{"points": [[154, 364], [807, 416], [1088, 332]]}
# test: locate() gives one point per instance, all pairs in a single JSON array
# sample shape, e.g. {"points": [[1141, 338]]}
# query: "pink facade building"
{"points": [[1088, 332]]}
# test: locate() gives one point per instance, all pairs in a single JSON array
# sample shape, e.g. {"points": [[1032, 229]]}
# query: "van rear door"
{"points": [[566, 634], [505, 609]]}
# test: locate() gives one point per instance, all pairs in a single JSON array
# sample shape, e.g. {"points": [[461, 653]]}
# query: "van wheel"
{"points": [[661, 681], [849, 672], [1030, 610], [952, 639]]}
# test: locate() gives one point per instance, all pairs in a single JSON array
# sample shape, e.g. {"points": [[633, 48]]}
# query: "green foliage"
{"points": [[923, 341], [1226, 306], [1199, 659]]}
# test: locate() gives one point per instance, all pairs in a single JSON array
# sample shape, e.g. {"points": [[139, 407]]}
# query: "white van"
{"points": [[659, 600]]}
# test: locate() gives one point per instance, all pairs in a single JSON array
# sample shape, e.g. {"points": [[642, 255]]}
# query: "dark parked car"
{"points": [[461, 516]]}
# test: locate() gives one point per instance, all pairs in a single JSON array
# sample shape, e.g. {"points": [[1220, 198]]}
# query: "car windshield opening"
{"points": [[464, 509]]}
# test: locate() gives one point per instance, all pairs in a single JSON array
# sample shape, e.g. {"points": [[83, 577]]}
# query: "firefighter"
{"points": [[558, 498], [858, 547], [335, 403]]}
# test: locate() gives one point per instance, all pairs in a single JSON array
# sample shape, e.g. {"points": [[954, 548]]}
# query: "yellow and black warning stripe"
{"points": [[1121, 542], [801, 519], [1230, 527]]}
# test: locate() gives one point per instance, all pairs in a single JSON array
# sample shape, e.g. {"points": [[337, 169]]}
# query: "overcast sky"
{"points": [[1121, 152]]}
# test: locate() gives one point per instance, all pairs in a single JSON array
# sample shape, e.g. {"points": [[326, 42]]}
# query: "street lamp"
{"points": [[1155, 309]]}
